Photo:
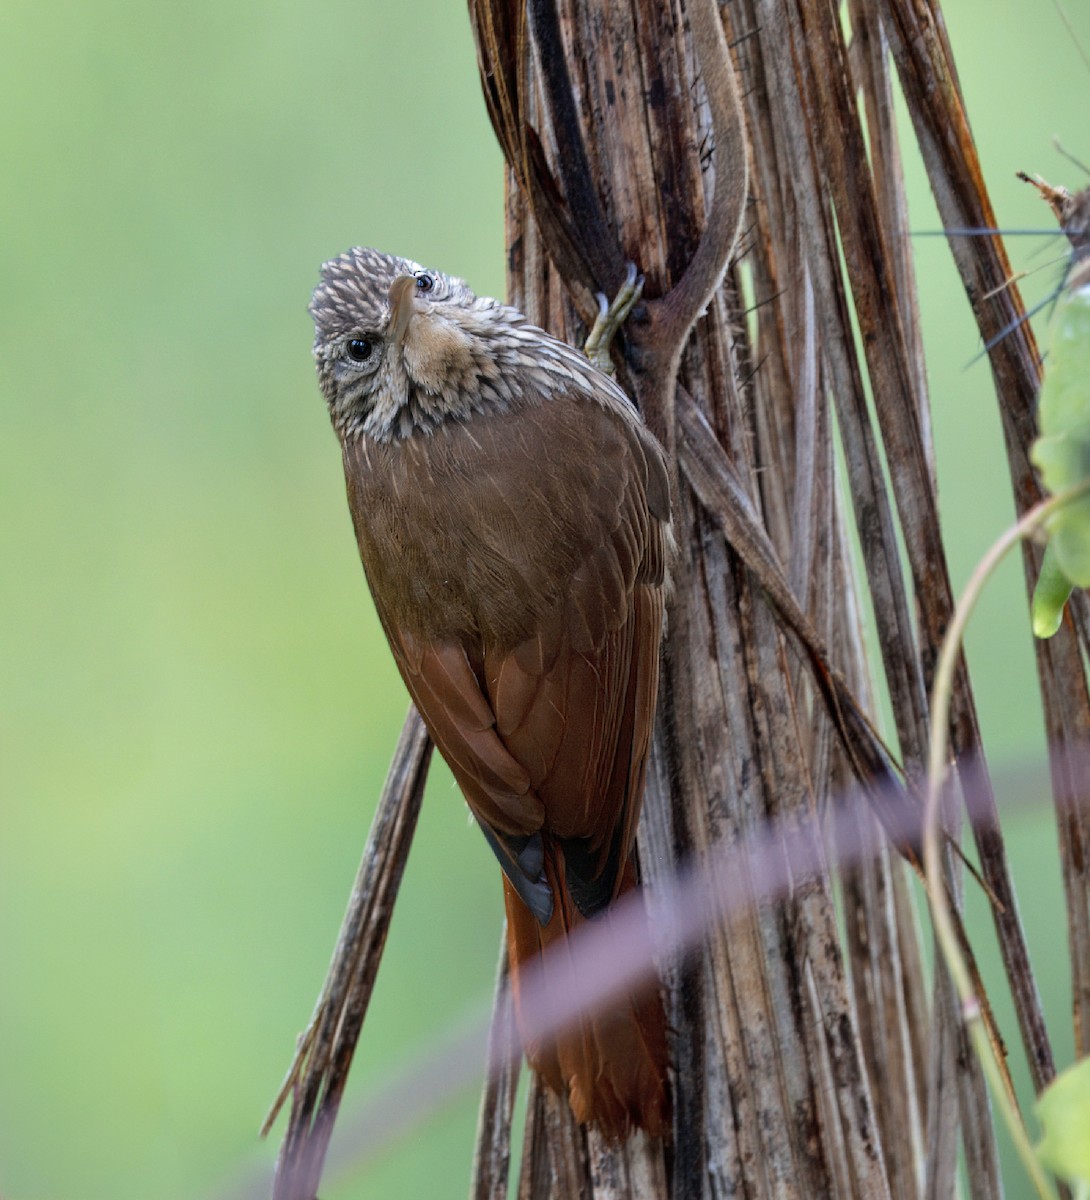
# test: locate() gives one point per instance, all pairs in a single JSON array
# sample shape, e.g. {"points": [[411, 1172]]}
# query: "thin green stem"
{"points": [[936, 891]]}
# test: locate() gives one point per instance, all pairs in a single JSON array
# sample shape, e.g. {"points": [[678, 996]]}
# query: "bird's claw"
{"points": [[611, 316]]}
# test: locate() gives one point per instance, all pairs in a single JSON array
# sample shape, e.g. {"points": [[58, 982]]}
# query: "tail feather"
{"points": [[612, 1065]]}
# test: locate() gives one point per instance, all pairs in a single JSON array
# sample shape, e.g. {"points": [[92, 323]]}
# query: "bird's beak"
{"points": [[402, 291]]}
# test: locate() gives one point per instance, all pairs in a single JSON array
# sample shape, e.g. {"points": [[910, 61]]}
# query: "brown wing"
{"points": [[524, 607], [575, 707]]}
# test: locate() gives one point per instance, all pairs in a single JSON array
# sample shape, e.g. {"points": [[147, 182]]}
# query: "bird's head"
{"points": [[401, 348]]}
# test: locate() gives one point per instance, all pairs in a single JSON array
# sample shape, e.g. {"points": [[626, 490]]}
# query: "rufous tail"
{"points": [[611, 1066]]}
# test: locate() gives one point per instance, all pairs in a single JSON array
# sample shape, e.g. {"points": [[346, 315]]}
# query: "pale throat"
{"points": [[436, 353], [442, 368], [438, 373]]}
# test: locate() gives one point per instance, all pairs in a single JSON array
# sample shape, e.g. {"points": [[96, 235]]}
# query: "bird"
{"points": [[512, 514]]}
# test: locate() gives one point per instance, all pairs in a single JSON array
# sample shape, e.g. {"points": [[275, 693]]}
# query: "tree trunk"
{"points": [[809, 1060]]}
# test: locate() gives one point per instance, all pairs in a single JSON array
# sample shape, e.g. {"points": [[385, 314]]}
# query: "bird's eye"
{"points": [[424, 282], [360, 349]]}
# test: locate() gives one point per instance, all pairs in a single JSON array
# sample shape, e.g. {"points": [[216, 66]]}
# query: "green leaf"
{"points": [[1062, 452], [1050, 595], [1064, 1112]]}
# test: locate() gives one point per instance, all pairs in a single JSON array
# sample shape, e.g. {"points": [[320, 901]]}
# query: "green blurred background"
{"points": [[196, 706]]}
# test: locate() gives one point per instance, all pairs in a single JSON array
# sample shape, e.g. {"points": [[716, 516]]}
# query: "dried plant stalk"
{"points": [[319, 1071], [744, 734], [926, 69]]}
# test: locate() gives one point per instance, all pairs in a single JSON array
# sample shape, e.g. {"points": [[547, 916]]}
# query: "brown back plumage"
{"points": [[515, 546]]}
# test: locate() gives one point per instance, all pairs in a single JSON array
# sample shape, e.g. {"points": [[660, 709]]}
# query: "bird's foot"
{"points": [[611, 316]]}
